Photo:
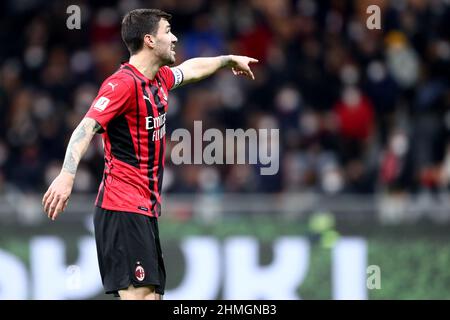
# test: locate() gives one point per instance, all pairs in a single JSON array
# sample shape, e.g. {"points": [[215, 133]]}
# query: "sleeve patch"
{"points": [[101, 103]]}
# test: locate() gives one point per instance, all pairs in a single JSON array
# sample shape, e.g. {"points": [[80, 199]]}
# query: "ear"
{"points": [[149, 41]]}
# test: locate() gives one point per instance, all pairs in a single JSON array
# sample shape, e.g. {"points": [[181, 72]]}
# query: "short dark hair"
{"points": [[138, 23]]}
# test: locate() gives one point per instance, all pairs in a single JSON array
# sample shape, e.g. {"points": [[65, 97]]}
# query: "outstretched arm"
{"points": [[199, 68], [57, 196]]}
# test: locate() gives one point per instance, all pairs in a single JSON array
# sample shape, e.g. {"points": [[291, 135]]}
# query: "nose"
{"points": [[174, 39]]}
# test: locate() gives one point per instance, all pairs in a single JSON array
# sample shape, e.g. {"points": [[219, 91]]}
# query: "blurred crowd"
{"points": [[359, 110]]}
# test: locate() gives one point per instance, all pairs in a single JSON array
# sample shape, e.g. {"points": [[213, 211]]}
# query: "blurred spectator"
{"points": [[395, 169], [355, 116]]}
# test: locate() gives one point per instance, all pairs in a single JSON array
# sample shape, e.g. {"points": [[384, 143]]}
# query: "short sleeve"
{"points": [[172, 77], [111, 101]]}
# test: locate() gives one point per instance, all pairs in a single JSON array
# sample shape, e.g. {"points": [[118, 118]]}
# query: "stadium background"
{"points": [[360, 207]]}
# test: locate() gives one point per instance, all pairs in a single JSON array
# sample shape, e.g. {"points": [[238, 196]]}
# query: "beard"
{"points": [[167, 57], [171, 58]]}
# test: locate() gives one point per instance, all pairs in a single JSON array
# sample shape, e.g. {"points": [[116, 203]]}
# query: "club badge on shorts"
{"points": [[139, 272]]}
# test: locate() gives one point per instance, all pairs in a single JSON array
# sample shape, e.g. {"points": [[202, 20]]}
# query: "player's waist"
{"points": [[132, 174]]}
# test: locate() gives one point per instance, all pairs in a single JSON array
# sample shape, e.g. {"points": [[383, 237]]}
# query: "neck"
{"points": [[146, 64]]}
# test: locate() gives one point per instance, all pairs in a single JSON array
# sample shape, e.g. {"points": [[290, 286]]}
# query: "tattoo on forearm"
{"points": [[78, 144]]}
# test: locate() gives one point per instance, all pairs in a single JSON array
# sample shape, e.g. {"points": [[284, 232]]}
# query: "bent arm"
{"points": [[199, 68], [57, 196]]}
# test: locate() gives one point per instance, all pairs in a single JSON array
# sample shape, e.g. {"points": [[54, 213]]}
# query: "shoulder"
{"points": [[119, 83], [165, 73], [164, 69], [121, 78], [172, 77]]}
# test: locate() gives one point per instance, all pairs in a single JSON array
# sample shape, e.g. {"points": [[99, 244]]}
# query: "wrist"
{"points": [[227, 61], [64, 172]]}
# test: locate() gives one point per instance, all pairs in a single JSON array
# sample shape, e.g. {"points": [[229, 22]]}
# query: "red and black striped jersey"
{"points": [[132, 112]]}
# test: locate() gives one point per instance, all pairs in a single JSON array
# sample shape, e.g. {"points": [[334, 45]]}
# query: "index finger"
{"points": [[253, 60], [249, 72], [46, 195], [48, 202], [59, 207]]}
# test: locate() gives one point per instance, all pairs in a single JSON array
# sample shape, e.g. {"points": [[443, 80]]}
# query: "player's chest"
{"points": [[153, 99]]}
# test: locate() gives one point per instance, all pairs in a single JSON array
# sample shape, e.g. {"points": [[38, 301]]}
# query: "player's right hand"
{"points": [[240, 65], [57, 196]]}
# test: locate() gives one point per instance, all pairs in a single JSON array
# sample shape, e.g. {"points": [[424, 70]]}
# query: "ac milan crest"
{"points": [[139, 272]]}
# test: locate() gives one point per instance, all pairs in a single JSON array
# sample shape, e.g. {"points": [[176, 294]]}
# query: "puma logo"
{"points": [[112, 85]]}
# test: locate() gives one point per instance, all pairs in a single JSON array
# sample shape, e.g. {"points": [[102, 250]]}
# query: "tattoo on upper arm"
{"points": [[78, 143]]}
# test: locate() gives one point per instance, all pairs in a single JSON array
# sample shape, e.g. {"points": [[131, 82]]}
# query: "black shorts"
{"points": [[128, 250]]}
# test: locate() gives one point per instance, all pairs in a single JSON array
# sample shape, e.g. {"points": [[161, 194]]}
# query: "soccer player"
{"points": [[130, 113]]}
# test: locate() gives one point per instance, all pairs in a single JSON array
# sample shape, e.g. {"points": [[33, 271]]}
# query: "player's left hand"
{"points": [[240, 65]]}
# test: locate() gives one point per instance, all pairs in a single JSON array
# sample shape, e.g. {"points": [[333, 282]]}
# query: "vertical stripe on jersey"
{"points": [[138, 131], [154, 162], [161, 143], [137, 122], [122, 147]]}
